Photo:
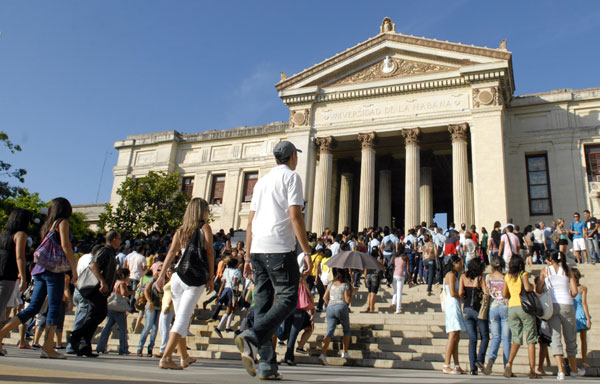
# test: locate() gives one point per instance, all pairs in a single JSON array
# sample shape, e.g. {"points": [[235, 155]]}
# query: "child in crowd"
{"points": [[582, 315], [229, 285]]}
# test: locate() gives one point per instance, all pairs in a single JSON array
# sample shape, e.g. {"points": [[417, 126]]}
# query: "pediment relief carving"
{"points": [[392, 67]]}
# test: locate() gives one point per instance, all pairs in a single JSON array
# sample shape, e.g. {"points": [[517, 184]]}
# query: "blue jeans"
{"points": [[45, 284], [473, 325], [276, 278], [81, 311], [152, 317], [120, 318], [430, 265], [411, 265], [500, 332], [165, 321]]}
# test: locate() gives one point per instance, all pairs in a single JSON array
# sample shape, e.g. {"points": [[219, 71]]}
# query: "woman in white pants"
{"points": [[186, 295], [400, 273]]}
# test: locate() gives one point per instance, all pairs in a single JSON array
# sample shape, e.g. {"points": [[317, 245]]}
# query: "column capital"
{"points": [[411, 136], [325, 144], [458, 132], [366, 140]]}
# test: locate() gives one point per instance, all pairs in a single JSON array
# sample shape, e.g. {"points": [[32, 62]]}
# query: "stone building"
{"points": [[399, 128]]}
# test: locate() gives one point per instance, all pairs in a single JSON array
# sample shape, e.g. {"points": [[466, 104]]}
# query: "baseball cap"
{"points": [[284, 149]]}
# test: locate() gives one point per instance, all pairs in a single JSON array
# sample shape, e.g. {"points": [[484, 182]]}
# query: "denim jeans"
{"points": [[473, 325], [119, 318], [593, 249], [500, 332], [412, 260], [164, 325], [81, 310], [297, 321], [430, 265], [312, 282], [151, 327], [276, 278], [45, 284], [134, 285]]}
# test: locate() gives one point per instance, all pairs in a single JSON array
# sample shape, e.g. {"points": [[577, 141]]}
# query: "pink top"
{"points": [[399, 267]]}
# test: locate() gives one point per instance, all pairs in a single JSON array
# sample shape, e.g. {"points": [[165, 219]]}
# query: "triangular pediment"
{"points": [[389, 68], [409, 56]]}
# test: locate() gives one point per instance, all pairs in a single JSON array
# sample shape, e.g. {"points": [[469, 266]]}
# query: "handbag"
{"points": [[50, 255], [485, 304], [193, 267], [304, 300], [117, 302], [443, 299], [87, 283], [530, 302]]}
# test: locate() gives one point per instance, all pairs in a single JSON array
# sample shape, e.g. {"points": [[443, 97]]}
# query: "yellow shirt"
{"points": [[514, 287], [166, 301], [316, 259]]}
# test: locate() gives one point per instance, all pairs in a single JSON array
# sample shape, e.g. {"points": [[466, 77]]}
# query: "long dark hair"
{"points": [[450, 265], [496, 233], [497, 264], [516, 265], [560, 258], [18, 221], [59, 208], [475, 268]]}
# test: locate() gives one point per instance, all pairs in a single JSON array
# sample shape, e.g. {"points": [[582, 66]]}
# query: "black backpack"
{"points": [[193, 267]]}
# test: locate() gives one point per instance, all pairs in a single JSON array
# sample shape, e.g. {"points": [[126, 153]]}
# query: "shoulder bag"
{"points": [[117, 302], [304, 300], [87, 283], [193, 267], [485, 304], [530, 302], [50, 254], [443, 299]]}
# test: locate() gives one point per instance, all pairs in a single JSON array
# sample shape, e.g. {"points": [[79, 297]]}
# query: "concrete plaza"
{"points": [[26, 367]]}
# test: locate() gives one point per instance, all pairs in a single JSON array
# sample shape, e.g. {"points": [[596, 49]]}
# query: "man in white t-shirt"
{"points": [[335, 247], [136, 263], [509, 245], [274, 223]]}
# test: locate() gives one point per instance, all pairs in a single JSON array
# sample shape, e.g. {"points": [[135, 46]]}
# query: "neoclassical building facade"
{"points": [[394, 130]]}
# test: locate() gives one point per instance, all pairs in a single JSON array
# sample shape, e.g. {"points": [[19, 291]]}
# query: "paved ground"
{"points": [[26, 367]]}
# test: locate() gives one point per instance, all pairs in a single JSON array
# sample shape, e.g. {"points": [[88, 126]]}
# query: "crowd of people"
{"points": [[277, 281]]}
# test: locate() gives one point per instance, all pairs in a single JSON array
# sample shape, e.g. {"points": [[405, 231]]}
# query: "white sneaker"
{"points": [[560, 376], [323, 359], [345, 355], [580, 372]]}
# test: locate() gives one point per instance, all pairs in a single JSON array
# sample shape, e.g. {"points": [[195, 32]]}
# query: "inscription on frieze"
{"points": [[410, 106]]}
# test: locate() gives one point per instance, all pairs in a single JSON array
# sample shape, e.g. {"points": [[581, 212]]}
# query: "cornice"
{"points": [[394, 37]]}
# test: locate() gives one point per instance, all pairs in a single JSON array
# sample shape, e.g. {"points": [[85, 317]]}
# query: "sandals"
{"points": [[508, 371], [187, 362], [533, 375], [459, 370], [448, 371], [168, 364]]}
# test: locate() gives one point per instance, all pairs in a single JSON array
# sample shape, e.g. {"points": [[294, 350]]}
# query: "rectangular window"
{"points": [[250, 179], [538, 185], [592, 162], [217, 190], [187, 185]]}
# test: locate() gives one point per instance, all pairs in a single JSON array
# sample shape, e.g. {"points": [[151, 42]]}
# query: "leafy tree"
{"points": [[150, 203], [21, 199], [79, 227], [7, 171]]}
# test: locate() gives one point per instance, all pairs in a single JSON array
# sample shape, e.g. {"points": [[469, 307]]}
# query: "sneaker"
{"points": [[488, 367], [228, 330], [323, 359], [248, 351], [275, 376], [290, 362], [560, 376], [218, 332], [580, 372], [301, 351], [479, 365], [345, 355]]}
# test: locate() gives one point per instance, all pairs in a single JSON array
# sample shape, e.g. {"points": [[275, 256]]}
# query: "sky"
{"points": [[76, 76]]}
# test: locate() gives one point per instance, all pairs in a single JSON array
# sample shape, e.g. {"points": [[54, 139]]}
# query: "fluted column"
{"points": [[345, 214], [322, 198], [384, 213], [412, 203], [366, 209], [426, 195], [460, 172]]}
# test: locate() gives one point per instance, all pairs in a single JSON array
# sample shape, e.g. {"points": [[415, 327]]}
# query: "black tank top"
{"points": [[473, 297]]}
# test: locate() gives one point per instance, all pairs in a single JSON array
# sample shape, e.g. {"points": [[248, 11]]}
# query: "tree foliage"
{"points": [[150, 203], [7, 172], [79, 227], [21, 199]]}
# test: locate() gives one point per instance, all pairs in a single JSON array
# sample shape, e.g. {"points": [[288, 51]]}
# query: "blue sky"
{"points": [[75, 76]]}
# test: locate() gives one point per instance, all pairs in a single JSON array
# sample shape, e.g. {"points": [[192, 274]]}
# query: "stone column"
{"points": [[345, 214], [412, 183], [460, 172], [426, 195], [366, 209], [322, 197], [384, 212]]}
